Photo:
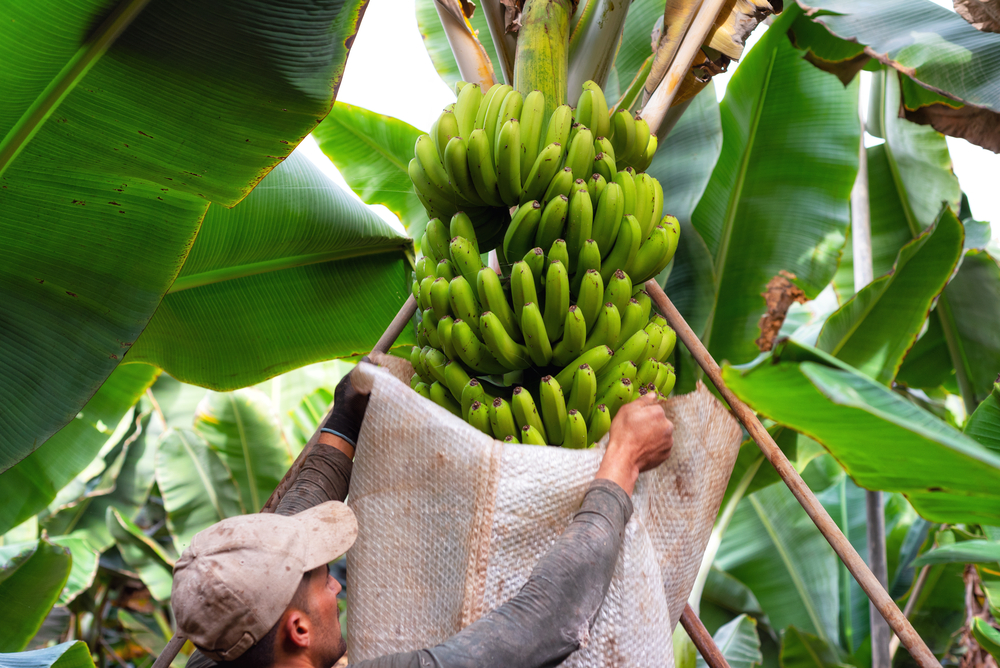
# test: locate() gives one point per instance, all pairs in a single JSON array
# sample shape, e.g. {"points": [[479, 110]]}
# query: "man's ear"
{"points": [[298, 629]]}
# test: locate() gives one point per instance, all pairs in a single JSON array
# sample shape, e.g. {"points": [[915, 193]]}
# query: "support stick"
{"points": [[702, 640], [876, 593]]}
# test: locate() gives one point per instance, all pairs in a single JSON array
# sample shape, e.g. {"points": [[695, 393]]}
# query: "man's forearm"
{"points": [[325, 476], [552, 613]]}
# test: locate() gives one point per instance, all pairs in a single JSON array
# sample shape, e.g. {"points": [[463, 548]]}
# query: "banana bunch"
{"points": [[585, 340], [491, 151]]}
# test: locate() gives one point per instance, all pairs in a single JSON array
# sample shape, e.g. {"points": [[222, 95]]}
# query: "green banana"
{"points": [[479, 417], [526, 413], [522, 287], [415, 289], [422, 339], [558, 252], [424, 300], [511, 110], [435, 360], [600, 117], [471, 393], [444, 327], [627, 245], [430, 321], [445, 129], [463, 302], [583, 392], [647, 158], [512, 355], [573, 131], [604, 165], [556, 299], [536, 340], [445, 270], [626, 179], [427, 156], [645, 302], [435, 201], [425, 267], [665, 379], [613, 374], [647, 371], [575, 436], [632, 349], [552, 405], [589, 258], [437, 236], [439, 298], [618, 290], [607, 328], [483, 111], [550, 226], [560, 123], [461, 226], [456, 379], [484, 176], [493, 298], [608, 218], [492, 122], [502, 419], [655, 333], [596, 357], [639, 145], [508, 161], [456, 163], [532, 119], [590, 299], [543, 170], [585, 109], [561, 184], [465, 258], [573, 339], [467, 107], [579, 221], [645, 194], [418, 364], [658, 320], [535, 259], [667, 344], [633, 319], [520, 235], [580, 156], [622, 132], [600, 423], [603, 145], [657, 201], [620, 393], [472, 351], [595, 186], [423, 389], [649, 256], [673, 227], [531, 436]]}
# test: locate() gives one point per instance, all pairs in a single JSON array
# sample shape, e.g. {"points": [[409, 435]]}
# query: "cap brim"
{"points": [[327, 531]]}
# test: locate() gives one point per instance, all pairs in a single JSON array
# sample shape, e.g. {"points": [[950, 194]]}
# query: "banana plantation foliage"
{"points": [[172, 268]]}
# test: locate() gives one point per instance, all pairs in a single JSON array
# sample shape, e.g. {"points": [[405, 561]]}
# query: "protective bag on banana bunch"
{"points": [[451, 523]]}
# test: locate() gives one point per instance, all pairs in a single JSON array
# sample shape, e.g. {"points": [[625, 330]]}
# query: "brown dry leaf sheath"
{"points": [[781, 293]]}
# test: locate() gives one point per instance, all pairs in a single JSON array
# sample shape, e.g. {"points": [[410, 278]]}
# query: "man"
{"points": [[254, 591]]}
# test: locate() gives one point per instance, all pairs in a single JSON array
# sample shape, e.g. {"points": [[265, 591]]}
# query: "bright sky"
{"points": [[416, 94]]}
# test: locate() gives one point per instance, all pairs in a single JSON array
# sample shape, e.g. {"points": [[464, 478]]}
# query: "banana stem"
{"points": [[542, 50], [474, 65]]}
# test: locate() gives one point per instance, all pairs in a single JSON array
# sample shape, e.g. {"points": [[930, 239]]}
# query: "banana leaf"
{"points": [[143, 555], [739, 643], [778, 197], [965, 552], [256, 298], [873, 331], [301, 398], [987, 636], [31, 484], [72, 654], [984, 424], [372, 151], [83, 570], [109, 163], [871, 430], [31, 579], [243, 428], [805, 650], [773, 547]]}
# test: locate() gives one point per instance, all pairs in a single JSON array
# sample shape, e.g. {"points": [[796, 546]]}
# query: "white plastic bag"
{"points": [[451, 522]]}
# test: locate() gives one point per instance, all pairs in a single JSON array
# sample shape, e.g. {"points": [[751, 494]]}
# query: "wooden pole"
{"points": [[702, 639], [855, 564]]}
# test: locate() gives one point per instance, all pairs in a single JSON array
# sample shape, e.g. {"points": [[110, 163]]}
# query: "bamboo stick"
{"points": [[855, 564], [702, 639]]}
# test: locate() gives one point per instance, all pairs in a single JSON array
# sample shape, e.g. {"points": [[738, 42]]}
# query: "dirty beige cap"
{"points": [[235, 580]]}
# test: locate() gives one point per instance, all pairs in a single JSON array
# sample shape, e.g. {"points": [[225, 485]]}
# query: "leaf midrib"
{"points": [[378, 149], [206, 482], [727, 229], [201, 279]]}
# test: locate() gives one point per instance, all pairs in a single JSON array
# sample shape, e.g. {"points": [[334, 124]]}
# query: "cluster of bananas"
{"points": [[591, 333], [489, 152]]}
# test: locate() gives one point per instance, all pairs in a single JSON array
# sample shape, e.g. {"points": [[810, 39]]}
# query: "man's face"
{"points": [[323, 610]]}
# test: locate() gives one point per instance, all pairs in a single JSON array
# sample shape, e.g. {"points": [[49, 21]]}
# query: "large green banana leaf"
{"points": [[778, 197], [143, 555], [372, 152], [83, 570], [296, 273], [773, 547], [31, 579], [966, 552], [109, 162], [984, 424], [31, 484], [244, 429], [72, 654], [739, 643], [882, 440], [874, 329], [805, 650]]}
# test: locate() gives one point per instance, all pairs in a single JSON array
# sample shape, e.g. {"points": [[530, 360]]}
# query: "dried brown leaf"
{"points": [[975, 124], [781, 293], [982, 14]]}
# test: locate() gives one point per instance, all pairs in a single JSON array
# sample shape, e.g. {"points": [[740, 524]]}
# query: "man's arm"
{"points": [[547, 620]]}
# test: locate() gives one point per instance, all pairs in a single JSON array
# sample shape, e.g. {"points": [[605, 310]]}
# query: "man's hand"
{"points": [[345, 419], [640, 440]]}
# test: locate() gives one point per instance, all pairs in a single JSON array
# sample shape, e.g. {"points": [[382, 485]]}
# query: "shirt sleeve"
{"points": [[552, 613], [325, 476]]}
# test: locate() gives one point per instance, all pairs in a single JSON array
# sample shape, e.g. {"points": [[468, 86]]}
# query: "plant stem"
{"points": [[542, 50]]}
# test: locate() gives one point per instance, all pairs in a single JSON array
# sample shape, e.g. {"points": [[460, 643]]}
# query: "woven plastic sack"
{"points": [[451, 522]]}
